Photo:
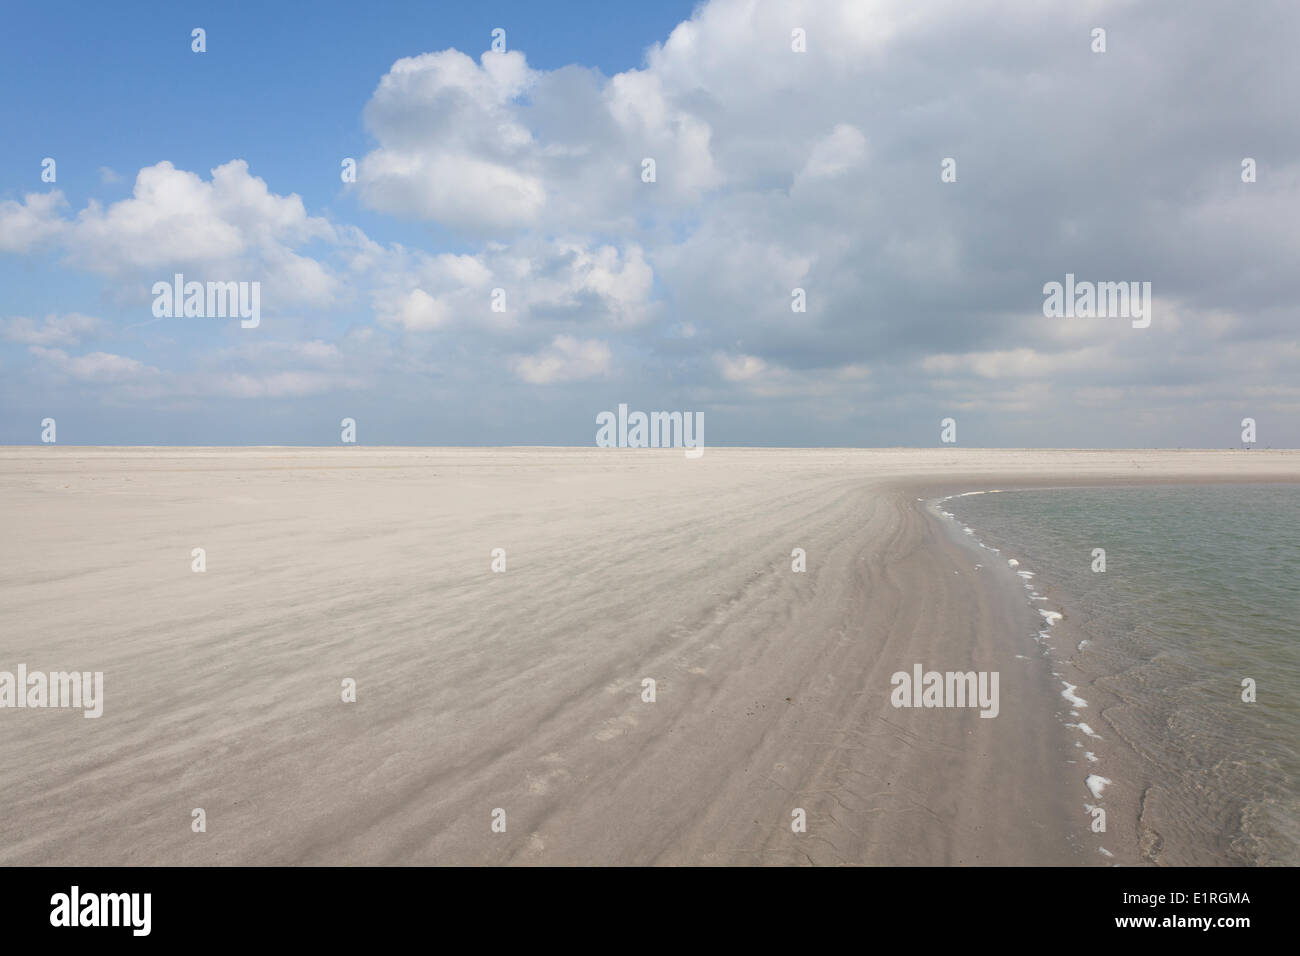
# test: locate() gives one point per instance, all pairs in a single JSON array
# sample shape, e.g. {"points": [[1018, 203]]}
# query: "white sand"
{"points": [[522, 690]]}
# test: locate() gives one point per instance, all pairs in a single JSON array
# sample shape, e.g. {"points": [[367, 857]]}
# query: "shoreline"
{"points": [[1102, 769], [1095, 665], [523, 690]]}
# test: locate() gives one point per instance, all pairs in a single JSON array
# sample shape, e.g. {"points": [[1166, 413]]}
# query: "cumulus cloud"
{"points": [[777, 171], [229, 228], [537, 285], [495, 147], [417, 311], [452, 149], [838, 151], [174, 216], [566, 360], [27, 224]]}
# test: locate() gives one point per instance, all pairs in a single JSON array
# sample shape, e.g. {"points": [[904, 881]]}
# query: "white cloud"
{"points": [[229, 228], [417, 311], [252, 350], [287, 384], [740, 368], [451, 148], [27, 224], [68, 329], [840, 150], [777, 170], [496, 147], [1018, 363], [95, 367], [566, 360], [547, 284]]}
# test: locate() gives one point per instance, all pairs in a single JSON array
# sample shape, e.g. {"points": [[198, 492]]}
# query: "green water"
{"points": [[1201, 589]]}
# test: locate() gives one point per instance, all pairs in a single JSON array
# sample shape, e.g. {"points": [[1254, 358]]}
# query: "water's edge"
{"points": [[1147, 662]]}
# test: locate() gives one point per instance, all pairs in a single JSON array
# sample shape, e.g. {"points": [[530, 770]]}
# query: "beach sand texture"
{"points": [[522, 690]]}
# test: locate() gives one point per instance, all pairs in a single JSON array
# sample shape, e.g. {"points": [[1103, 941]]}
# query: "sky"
{"points": [[499, 271]]}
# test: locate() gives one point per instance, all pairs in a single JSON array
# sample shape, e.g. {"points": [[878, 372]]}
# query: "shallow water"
{"points": [[1201, 589]]}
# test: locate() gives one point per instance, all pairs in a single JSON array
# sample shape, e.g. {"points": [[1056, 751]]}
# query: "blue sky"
{"points": [[282, 85], [777, 169]]}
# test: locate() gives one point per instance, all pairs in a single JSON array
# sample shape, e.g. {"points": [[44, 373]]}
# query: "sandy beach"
{"points": [[522, 690]]}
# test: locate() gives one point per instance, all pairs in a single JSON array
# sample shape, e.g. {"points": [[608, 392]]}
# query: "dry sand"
{"points": [[522, 690]]}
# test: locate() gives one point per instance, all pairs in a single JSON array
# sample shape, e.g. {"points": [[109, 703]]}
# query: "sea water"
{"points": [[1201, 591]]}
